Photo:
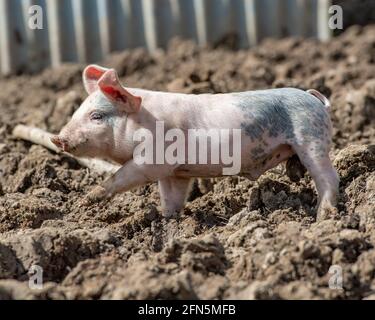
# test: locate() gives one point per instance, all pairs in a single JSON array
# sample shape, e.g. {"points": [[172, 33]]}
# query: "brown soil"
{"points": [[236, 238]]}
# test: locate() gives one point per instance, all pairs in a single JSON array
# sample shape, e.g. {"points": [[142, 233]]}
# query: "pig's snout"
{"points": [[60, 143]]}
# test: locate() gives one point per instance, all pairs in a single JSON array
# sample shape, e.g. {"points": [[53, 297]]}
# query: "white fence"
{"points": [[87, 30]]}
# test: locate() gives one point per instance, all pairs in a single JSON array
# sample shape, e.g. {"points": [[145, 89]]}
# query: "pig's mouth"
{"points": [[77, 149], [72, 149]]}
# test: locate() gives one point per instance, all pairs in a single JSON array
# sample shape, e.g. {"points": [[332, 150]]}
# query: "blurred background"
{"points": [[88, 30]]}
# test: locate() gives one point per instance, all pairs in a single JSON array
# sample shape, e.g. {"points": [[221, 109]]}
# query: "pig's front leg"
{"points": [[130, 175], [173, 193]]}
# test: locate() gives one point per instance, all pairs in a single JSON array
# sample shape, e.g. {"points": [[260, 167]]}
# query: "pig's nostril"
{"points": [[60, 143], [56, 141]]}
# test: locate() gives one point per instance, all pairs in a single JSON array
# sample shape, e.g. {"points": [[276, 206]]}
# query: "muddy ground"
{"points": [[236, 238]]}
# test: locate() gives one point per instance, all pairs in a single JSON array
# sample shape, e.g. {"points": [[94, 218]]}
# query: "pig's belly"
{"points": [[252, 166]]}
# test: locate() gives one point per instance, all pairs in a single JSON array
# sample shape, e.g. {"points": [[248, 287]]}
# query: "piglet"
{"points": [[267, 127]]}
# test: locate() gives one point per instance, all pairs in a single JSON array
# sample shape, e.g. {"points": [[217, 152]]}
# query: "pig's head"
{"points": [[97, 127]]}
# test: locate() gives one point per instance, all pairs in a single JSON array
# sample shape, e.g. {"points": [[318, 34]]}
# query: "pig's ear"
{"points": [[91, 75], [111, 87]]}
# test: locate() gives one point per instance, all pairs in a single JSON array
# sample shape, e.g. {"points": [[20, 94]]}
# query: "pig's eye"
{"points": [[96, 116]]}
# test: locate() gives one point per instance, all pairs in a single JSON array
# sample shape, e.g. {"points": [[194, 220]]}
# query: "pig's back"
{"points": [[291, 99], [283, 111]]}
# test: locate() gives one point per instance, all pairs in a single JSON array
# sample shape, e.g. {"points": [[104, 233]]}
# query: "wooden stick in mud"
{"points": [[41, 137]]}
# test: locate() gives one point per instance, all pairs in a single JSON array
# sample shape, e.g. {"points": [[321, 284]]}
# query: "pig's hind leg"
{"points": [[173, 194], [314, 156]]}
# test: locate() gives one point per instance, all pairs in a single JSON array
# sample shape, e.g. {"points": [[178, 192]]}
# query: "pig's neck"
{"points": [[172, 108]]}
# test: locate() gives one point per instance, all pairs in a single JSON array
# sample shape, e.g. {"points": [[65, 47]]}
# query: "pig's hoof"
{"points": [[170, 214], [327, 212], [94, 196]]}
